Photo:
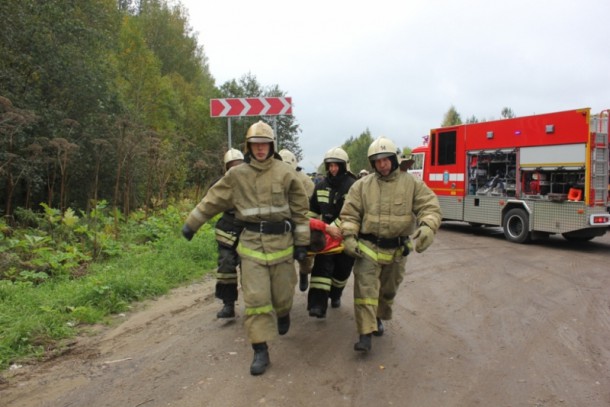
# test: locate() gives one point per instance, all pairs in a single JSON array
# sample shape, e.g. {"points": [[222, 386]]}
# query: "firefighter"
{"points": [[405, 163], [289, 158], [227, 233], [271, 204], [304, 266], [363, 173], [330, 271], [378, 213]]}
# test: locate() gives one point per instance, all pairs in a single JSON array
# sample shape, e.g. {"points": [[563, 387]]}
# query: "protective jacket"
{"points": [[330, 272], [307, 182], [260, 192], [385, 209], [329, 196]]}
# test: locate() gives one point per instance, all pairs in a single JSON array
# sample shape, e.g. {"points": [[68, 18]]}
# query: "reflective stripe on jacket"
{"points": [[259, 191], [388, 207]]}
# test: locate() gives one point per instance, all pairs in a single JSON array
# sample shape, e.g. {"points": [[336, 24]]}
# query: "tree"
{"points": [[113, 104], [287, 128], [406, 151], [451, 118], [507, 113], [357, 149], [13, 160], [64, 151]]}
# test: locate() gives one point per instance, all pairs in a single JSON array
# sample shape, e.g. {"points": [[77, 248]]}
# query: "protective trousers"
{"points": [[375, 287], [268, 293], [328, 278], [226, 273]]}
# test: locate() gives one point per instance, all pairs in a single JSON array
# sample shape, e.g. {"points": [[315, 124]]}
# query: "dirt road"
{"points": [[478, 322]]}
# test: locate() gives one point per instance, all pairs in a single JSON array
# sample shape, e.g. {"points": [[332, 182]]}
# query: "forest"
{"points": [[106, 100]]}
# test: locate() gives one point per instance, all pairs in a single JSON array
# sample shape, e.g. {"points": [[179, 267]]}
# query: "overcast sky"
{"points": [[396, 67]]}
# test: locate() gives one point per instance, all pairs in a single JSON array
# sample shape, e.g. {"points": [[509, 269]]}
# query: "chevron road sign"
{"points": [[235, 107]]}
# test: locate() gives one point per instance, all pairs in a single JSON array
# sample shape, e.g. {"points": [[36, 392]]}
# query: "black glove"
{"points": [[300, 253], [187, 232], [407, 247]]}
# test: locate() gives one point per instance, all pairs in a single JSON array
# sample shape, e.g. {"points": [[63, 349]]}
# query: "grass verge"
{"points": [[34, 318]]}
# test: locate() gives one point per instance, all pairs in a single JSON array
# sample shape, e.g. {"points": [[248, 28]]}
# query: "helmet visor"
{"points": [[382, 155], [259, 140]]}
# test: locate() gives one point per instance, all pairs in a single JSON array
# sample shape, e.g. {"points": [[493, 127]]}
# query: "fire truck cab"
{"points": [[533, 176]]}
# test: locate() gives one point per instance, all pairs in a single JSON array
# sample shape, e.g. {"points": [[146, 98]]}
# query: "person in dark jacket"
{"points": [[330, 272], [227, 233]]}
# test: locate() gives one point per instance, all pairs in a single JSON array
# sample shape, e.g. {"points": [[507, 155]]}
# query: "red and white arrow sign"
{"points": [[231, 107]]}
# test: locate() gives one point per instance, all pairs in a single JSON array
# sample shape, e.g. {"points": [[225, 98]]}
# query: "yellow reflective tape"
{"points": [[322, 196], [264, 256], [302, 228], [266, 309], [228, 236], [376, 256], [323, 287], [366, 301], [339, 284], [334, 250], [318, 279], [265, 210]]}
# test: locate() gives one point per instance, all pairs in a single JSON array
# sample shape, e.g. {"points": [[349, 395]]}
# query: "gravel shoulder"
{"points": [[478, 321]]}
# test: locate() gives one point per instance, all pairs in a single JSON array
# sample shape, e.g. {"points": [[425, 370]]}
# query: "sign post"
{"points": [[238, 107]]}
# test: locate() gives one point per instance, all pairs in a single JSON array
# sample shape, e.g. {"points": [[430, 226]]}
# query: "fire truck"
{"points": [[533, 176]]}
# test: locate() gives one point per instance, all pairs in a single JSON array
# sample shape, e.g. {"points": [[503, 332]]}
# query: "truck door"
{"points": [[446, 172]]}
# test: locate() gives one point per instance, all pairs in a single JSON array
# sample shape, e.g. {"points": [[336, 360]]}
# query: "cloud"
{"points": [[396, 67]]}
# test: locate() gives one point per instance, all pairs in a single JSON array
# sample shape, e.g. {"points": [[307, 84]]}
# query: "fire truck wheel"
{"points": [[516, 226]]}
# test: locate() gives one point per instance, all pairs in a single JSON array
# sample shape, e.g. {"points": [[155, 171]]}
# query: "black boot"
{"points": [[363, 344], [261, 359], [227, 311], [380, 328], [283, 324], [335, 302], [317, 312], [303, 282]]}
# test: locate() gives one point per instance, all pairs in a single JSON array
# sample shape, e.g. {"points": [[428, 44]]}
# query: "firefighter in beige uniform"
{"points": [[377, 216], [304, 266], [272, 205], [289, 158]]}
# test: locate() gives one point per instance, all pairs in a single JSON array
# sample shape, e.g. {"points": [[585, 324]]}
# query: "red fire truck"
{"points": [[533, 176]]}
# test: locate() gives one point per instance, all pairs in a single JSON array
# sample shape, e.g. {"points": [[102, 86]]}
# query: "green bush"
{"points": [[54, 287]]}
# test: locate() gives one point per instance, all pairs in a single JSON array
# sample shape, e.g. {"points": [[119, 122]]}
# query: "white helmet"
{"points": [[260, 132], [380, 148], [336, 155], [289, 158], [232, 155]]}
